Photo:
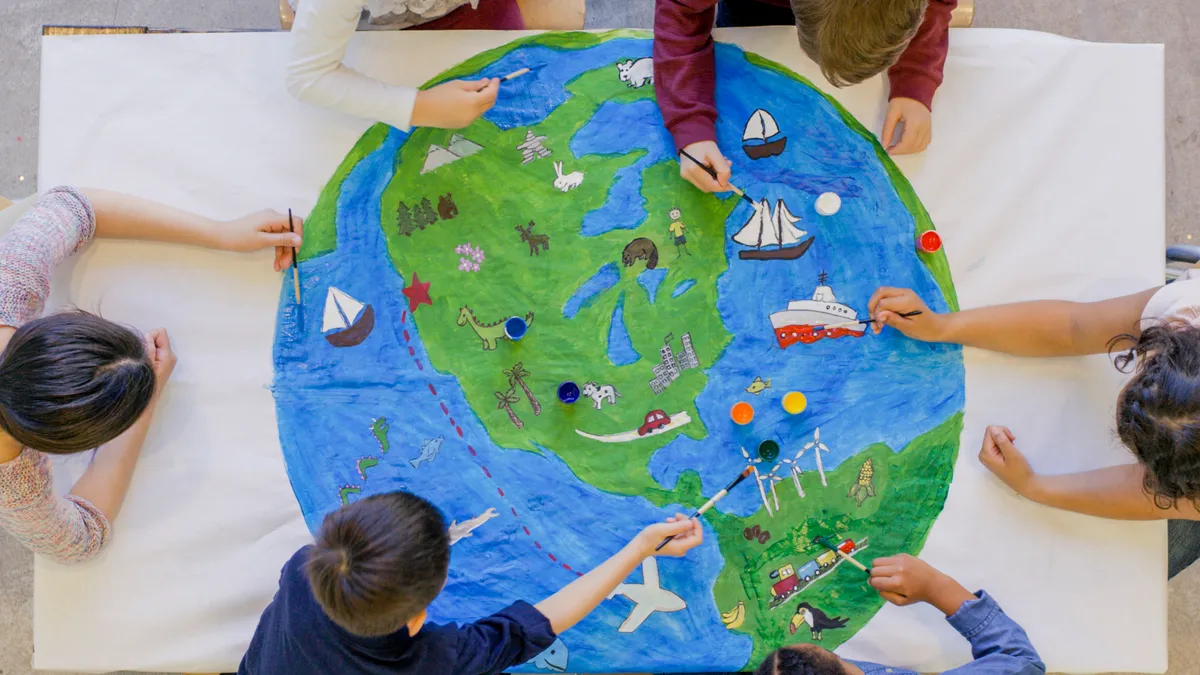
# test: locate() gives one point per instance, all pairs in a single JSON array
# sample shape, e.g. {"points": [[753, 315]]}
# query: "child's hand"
{"points": [[265, 229], [886, 306], [688, 535], [162, 358], [454, 104], [1002, 458], [903, 580], [708, 153], [918, 126]]}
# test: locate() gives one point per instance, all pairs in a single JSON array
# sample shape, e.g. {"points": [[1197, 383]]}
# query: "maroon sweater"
{"points": [[683, 63]]}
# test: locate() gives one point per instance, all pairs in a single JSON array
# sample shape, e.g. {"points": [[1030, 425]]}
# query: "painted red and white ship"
{"points": [[810, 320]]}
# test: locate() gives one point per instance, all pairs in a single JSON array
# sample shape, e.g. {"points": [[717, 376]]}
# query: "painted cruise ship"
{"points": [[810, 320]]}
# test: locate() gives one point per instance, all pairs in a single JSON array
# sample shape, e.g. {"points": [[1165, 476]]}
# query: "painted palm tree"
{"points": [[505, 401], [516, 378]]}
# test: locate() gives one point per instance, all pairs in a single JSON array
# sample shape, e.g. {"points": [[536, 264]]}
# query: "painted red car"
{"points": [[655, 420]]}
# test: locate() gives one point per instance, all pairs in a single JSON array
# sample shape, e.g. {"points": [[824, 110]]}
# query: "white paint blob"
{"points": [[829, 203]]}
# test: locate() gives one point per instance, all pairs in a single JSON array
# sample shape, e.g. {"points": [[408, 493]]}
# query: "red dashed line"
{"points": [[411, 351], [471, 449], [403, 316], [406, 336]]}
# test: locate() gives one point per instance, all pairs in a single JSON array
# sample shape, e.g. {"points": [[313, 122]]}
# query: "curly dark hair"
{"points": [[1158, 411], [801, 659]]}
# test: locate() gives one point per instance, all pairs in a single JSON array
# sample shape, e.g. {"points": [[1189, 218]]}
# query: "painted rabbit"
{"points": [[569, 181]]}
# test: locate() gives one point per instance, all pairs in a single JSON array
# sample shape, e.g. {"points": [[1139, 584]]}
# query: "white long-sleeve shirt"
{"points": [[316, 74]]}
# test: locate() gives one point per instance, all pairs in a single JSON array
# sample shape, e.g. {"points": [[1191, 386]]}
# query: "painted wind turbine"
{"points": [[795, 471], [753, 463], [817, 446]]}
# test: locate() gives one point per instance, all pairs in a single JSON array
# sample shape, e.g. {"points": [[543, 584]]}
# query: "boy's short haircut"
{"points": [[379, 562], [801, 660], [853, 40]]}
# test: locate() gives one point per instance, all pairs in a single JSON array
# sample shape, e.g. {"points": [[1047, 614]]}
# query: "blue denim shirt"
{"points": [[999, 645]]}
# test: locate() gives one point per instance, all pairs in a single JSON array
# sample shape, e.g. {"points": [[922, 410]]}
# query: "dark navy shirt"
{"points": [[295, 637], [999, 645]]}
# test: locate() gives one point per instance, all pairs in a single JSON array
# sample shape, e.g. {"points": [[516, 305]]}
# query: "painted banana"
{"points": [[734, 617]]}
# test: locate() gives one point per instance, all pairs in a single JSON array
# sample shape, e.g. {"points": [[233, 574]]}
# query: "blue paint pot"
{"points": [[568, 392], [515, 329]]}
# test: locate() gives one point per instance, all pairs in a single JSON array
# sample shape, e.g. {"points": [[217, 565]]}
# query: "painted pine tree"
{"points": [[423, 213], [404, 220]]}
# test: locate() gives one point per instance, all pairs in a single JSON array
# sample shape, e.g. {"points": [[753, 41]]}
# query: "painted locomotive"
{"points": [[790, 580]]}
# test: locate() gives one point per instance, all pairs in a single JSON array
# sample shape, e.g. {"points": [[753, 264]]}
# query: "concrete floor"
{"points": [[1173, 22]]}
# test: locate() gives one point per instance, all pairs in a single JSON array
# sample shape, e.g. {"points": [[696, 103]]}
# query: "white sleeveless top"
{"points": [[1178, 301], [399, 14]]}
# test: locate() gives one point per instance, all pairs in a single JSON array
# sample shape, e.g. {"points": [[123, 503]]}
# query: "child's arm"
{"points": [[1037, 328], [578, 598], [998, 644], [106, 480], [1114, 492], [120, 216], [317, 76], [914, 79]]}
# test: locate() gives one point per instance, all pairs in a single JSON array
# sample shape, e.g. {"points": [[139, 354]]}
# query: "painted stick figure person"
{"points": [[677, 227]]}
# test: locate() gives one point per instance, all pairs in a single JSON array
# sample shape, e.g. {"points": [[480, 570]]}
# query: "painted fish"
{"points": [[464, 530], [429, 451], [554, 658], [757, 386]]}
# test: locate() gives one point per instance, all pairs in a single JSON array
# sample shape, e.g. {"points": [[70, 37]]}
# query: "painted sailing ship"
{"points": [[774, 230], [347, 321], [810, 320], [761, 138]]}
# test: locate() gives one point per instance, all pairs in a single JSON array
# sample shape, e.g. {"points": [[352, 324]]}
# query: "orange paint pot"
{"points": [[742, 413]]}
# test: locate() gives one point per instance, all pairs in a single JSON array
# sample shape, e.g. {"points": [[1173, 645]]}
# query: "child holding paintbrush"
{"points": [[322, 31], [998, 644]]}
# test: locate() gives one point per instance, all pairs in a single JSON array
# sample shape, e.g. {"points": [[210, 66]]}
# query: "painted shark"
{"points": [[463, 531]]}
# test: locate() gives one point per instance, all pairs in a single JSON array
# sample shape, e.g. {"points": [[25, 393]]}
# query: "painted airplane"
{"points": [[648, 597]]}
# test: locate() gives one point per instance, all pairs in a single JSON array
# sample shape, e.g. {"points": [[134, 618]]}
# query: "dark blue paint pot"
{"points": [[568, 392], [515, 329]]}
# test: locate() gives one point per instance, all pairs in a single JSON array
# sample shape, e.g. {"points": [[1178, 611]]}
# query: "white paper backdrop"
{"points": [[1045, 179]]}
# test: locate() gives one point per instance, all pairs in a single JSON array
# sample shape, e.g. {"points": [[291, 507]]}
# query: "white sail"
{"points": [[782, 223], [761, 126], [349, 308], [758, 231]]}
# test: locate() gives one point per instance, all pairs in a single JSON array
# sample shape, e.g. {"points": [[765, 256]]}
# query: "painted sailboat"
{"points": [[761, 138], [347, 321], [775, 229], [810, 320]]}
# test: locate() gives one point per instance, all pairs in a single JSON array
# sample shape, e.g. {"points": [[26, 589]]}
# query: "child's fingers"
{"points": [[890, 584], [894, 598], [889, 126]]}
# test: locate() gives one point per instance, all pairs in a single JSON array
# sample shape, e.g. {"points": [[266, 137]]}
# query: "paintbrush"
{"points": [[713, 172], [855, 323], [295, 259], [709, 504], [506, 78], [824, 541]]}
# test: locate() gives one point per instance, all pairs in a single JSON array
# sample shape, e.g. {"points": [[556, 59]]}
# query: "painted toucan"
{"points": [[816, 619]]}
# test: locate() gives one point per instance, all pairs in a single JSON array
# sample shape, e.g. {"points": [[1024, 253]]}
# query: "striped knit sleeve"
{"points": [[67, 529], [59, 224]]}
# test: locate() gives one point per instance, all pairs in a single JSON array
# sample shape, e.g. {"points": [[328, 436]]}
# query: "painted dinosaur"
{"points": [[489, 333]]}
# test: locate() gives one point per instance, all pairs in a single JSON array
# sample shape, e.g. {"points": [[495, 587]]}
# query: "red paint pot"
{"points": [[929, 242]]}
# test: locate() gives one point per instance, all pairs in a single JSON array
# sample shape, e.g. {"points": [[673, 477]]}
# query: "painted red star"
{"points": [[417, 293]]}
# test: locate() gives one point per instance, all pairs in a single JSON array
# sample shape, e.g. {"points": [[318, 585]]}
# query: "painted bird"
{"points": [[758, 385], [817, 620]]}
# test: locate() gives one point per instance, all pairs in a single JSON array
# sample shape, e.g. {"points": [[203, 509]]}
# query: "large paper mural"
{"points": [[455, 281]]}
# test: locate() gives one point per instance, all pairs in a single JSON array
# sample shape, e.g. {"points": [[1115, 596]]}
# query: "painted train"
{"points": [[789, 580]]}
